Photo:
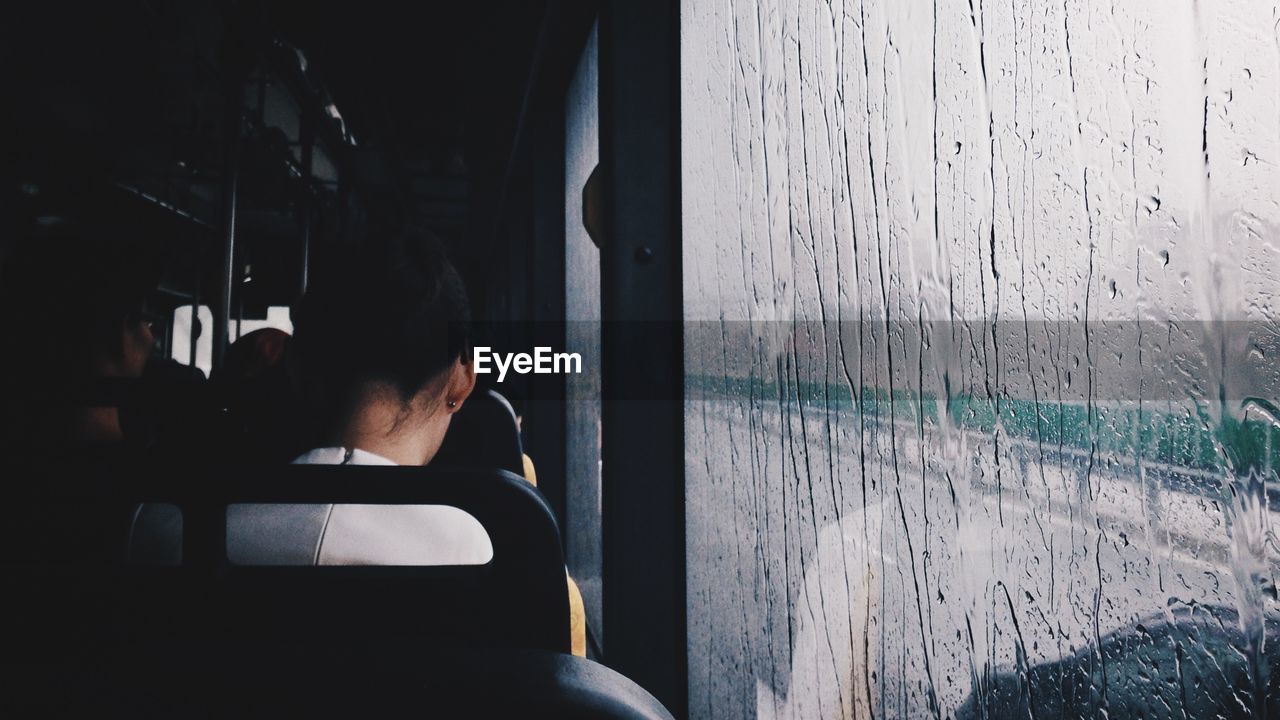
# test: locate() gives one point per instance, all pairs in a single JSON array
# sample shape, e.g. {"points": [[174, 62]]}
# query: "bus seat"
{"points": [[489, 683], [209, 614], [483, 434], [517, 599], [498, 683], [554, 685]]}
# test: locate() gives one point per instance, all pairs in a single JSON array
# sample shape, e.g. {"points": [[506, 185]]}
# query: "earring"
{"points": [[452, 403]]}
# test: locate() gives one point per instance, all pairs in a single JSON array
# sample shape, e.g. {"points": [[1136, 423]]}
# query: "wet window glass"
{"points": [[981, 346]]}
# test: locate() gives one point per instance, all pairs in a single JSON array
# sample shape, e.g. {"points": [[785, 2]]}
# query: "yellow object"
{"points": [[529, 473], [577, 612], [577, 619]]}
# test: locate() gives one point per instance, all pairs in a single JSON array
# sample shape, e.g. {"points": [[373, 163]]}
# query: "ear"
{"points": [[462, 380]]}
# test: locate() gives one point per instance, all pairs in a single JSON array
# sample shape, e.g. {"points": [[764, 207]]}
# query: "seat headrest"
{"points": [[483, 435]]}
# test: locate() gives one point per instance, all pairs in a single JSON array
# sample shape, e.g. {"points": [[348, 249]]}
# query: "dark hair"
{"points": [[396, 313]]}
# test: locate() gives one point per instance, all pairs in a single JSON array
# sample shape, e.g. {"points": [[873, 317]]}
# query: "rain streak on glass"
{"points": [[981, 344]]}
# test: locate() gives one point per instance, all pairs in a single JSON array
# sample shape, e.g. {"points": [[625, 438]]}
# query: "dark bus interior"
{"points": [[235, 149], [925, 359]]}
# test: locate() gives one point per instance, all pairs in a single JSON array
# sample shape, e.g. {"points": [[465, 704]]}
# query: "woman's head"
{"points": [[382, 343]]}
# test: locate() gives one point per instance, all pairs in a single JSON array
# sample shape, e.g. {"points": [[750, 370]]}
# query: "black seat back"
{"points": [[472, 684], [483, 435], [211, 615], [518, 599], [559, 686]]}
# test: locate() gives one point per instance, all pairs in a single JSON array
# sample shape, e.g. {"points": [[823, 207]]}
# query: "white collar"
{"points": [[340, 456]]}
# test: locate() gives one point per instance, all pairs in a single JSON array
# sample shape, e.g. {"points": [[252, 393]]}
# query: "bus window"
{"points": [[181, 344]]}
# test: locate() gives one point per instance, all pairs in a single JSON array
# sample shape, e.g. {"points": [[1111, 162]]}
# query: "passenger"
{"points": [[382, 355], [84, 382], [267, 423], [81, 383], [256, 355]]}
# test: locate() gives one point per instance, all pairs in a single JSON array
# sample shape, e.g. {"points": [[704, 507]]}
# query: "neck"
{"points": [[373, 427]]}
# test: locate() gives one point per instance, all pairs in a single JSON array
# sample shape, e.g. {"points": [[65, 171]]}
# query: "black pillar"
{"points": [[641, 339]]}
